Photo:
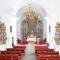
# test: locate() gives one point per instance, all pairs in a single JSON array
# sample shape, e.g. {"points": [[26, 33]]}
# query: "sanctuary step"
{"points": [[24, 42]]}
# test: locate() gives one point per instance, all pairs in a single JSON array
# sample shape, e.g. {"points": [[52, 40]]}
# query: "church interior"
{"points": [[29, 29]]}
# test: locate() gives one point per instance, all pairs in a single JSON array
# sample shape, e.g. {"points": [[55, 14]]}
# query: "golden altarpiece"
{"points": [[32, 25]]}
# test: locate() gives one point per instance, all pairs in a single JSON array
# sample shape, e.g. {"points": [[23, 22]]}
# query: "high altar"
{"points": [[31, 38], [32, 27]]}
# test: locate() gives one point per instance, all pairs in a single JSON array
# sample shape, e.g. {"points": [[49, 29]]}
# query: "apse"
{"points": [[31, 23]]}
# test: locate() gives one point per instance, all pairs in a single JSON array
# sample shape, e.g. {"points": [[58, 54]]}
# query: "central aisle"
{"points": [[29, 52]]}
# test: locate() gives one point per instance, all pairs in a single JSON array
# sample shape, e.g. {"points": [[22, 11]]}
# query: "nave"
{"points": [[29, 52], [24, 21]]}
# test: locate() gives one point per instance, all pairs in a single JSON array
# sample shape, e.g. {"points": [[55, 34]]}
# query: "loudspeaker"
{"points": [[10, 28]]}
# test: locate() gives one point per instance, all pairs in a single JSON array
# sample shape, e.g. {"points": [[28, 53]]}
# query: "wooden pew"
{"points": [[44, 53], [14, 53], [9, 57]]}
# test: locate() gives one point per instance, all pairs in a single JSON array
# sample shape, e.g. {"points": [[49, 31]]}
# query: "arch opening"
{"points": [[31, 25]]}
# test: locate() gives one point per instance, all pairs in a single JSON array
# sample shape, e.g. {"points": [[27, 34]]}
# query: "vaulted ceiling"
{"points": [[10, 7]]}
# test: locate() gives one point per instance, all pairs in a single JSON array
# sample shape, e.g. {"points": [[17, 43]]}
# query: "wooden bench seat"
{"points": [[9, 57], [44, 53]]}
